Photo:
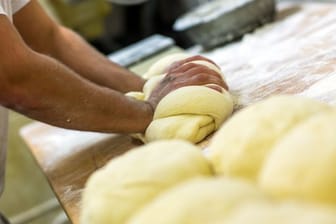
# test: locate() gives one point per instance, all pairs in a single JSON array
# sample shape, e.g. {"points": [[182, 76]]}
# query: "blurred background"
{"points": [[108, 27]]}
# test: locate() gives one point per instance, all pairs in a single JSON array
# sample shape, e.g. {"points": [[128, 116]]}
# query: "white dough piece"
{"points": [[302, 164], [262, 212], [190, 113], [198, 201], [241, 145], [115, 192]]}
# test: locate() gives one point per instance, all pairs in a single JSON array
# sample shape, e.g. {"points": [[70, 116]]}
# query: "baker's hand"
{"points": [[190, 59], [179, 63], [185, 73]]}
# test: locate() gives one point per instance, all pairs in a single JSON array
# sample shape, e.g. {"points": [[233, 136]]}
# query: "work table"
{"points": [[295, 55]]}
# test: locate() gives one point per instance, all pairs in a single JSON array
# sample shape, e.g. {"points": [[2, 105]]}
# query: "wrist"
{"points": [[149, 113], [144, 115]]}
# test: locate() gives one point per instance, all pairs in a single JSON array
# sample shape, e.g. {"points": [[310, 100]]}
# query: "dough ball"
{"points": [[198, 201], [302, 164], [263, 212], [190, 113], [159, 67], [241, 145], [114, 193]]}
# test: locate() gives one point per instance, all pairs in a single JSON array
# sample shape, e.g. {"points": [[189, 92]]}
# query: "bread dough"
{"points": [[241, 145], [147, 89], [190, 113], [281, 213], [302, 164], [159, 67], [198, 201], [128, 182]]}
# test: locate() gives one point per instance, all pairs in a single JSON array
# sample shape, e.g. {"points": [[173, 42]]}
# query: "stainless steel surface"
{"points": [[222, 21], [141, 50], [208, 12]]}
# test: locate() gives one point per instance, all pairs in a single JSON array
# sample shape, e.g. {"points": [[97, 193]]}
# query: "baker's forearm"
{"points": [[43, 35], [46, 90], [73, 51]]}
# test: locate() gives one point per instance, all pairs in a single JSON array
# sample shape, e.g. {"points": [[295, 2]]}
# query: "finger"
{"points": [[215, 87], [204, 69], [191, 68], [213, 75], [197, 70], [203, 79], [198, 79], [179, 63], [200, 73], [182, 68], [198, 58]]}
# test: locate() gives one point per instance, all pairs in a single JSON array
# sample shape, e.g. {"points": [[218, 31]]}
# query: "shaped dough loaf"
{"points": [[128, 182], [198, 201], [303, 163], [241, 145], [190, 113], [263, 212]]}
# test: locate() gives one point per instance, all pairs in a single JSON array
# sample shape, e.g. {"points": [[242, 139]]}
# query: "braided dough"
{"points": [[286, 144], [128, 182], [303, 163], [239, 148], [198, 201], [190, 113], [262, 212]]}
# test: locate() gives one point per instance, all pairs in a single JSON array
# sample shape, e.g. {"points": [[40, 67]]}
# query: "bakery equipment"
{"points": [[141, 50], [222, 21]]}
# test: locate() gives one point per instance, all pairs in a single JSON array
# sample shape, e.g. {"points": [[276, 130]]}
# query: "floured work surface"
{"points": [[296, 55]]}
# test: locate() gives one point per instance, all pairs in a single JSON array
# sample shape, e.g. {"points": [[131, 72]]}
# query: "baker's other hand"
{"points": [[186, 74], [177, 64]]}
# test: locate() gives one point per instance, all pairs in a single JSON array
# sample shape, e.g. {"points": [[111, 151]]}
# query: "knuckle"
{"points": [[202, 77]]}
